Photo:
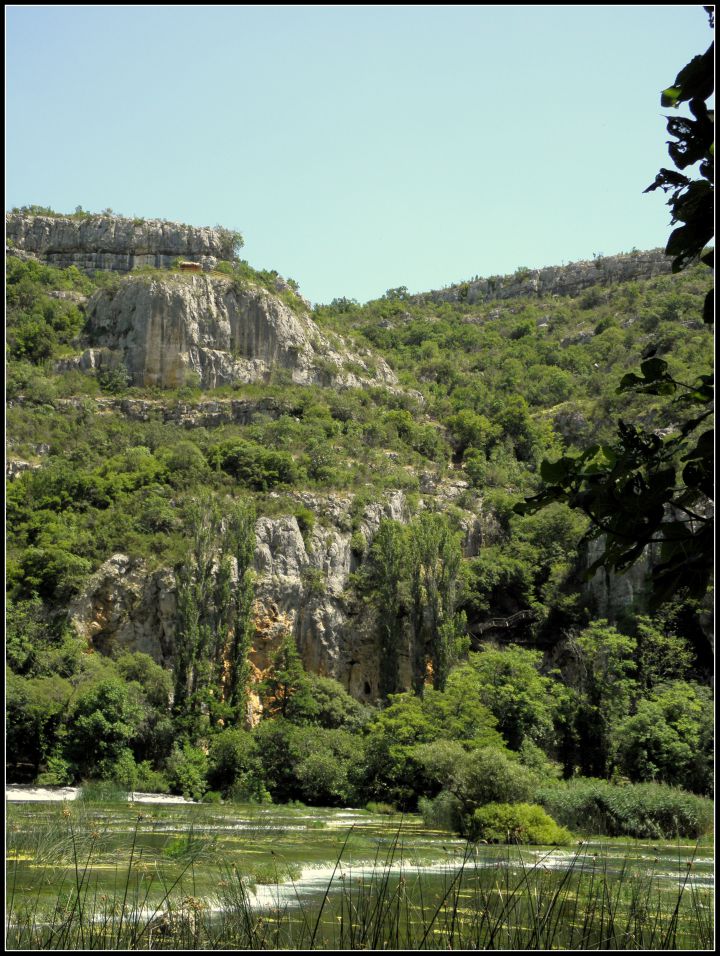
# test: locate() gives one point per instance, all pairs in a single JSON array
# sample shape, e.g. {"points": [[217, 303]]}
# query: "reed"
{"points": [[502, 898]]}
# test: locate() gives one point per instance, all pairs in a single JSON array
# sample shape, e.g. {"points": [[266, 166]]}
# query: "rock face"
{"points": [[302, 585], [113, 243], [557, 280], [125, 608], [171, 329], [612, 595]]}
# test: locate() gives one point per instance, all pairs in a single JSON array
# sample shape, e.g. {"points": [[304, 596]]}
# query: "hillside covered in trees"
{"points": [[295, 572]]}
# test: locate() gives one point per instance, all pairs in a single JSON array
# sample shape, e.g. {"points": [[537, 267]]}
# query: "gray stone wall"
{"points": [[113, 243], [556, 280]]}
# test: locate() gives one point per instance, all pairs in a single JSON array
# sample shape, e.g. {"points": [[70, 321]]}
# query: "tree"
{"points": [[648, 488], [335, 708], [286, 691], [232, 760], [606, 693], [240, 547], [215, 593], [435, 558], [393, 769], [105, 718], [669, 738], [461, 713], [489, 774], [520, 698], [385, 573]]}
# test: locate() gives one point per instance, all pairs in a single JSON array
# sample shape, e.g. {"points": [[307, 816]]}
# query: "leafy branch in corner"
{"points": [[648, 489]]}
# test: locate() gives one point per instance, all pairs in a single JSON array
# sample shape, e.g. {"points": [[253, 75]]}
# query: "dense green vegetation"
{"points": [[105, 874], [649, 487], [489, 391]]}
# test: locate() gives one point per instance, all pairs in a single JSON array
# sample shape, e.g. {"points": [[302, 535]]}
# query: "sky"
{"points": [[357, 148]]}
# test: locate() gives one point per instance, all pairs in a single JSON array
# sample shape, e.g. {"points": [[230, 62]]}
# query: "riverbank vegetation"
{"points": [[109, 875], [491, 389]]}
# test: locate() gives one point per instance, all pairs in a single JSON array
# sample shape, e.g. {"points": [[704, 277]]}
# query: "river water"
{"points": [[295, 859]]}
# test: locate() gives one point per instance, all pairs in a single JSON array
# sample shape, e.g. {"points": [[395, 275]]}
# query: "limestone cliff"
{"points": [[114, 243], [302, 582], [169, 329], [570, 279]]}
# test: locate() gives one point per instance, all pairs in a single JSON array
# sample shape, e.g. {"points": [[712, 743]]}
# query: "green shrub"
{"points": [[314, 581], [376, 806], [114, 380], [491, 775], [270, 874], [102, 791], [643, 810], [212, 796], [517, 823], [358, 544], [444, 812], [187, 770], [149, 780], [59, 773], [248, 788], [231, 759], [306, 522], [253, 466]]}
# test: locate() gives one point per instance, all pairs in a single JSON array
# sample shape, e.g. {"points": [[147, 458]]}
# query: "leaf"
{"points": [[695, 80], [704, 448], [668, 179], [628, 381], [653, 369], [709, 308], [557, 471]]}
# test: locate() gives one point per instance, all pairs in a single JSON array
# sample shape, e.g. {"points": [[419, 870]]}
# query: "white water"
{"points": [[18, 793]]}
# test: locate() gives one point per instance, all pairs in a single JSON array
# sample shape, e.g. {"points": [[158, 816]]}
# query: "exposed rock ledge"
{"points": [[112, 242], [301, 586], [557, 280], [170, 329]]}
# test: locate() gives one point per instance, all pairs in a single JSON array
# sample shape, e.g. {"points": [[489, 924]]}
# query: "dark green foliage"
{"points": [[314, 764], [253, 466], [669, 738], [240, 548], [443, 812], [286, 691], [413, 743], [386, 574], [114, 380], [647, 487], [491, 775], [186, 771], [215, 592], [233, 764], [104, 720], [35, 709], [606, 690], [522, 701], [413, 579], [39, 325], [335, 708], [644, 811], [154, 735], [663, 655], [26, 629], [438, 628]]}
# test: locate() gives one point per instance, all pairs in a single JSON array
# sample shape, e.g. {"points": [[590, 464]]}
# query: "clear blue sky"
{"points": [[357, 148]]}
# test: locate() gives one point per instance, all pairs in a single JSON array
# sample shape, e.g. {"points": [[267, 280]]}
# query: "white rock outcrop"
{"points": [[113, 242], [172, 329]]}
